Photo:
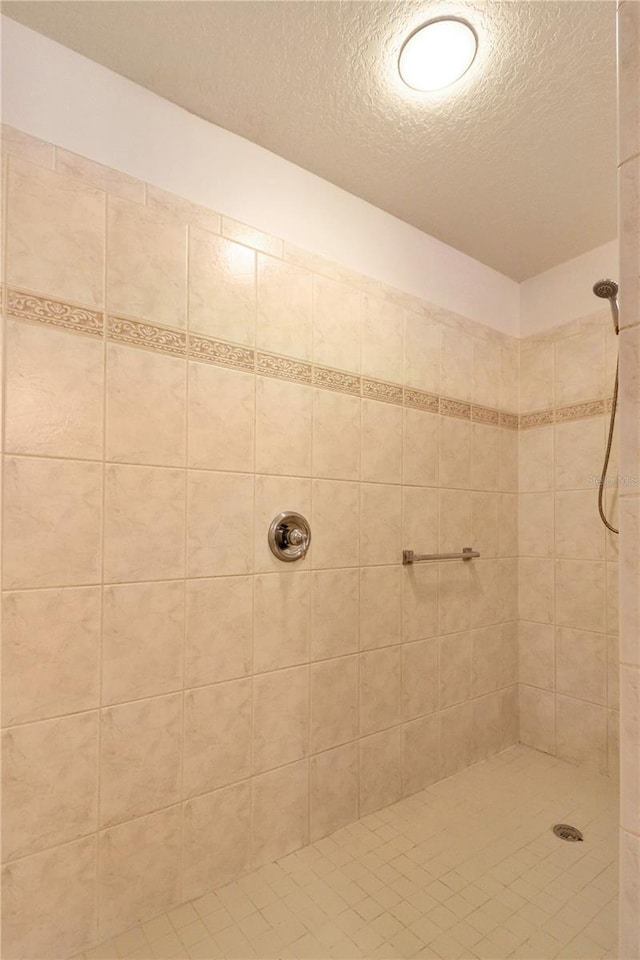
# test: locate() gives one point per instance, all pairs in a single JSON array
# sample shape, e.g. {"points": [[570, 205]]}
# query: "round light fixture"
{"points": [[437, 54]]}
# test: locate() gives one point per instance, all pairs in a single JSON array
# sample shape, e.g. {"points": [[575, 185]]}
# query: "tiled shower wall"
{"points": [[178, 705], [629, 220], [568, 560]]}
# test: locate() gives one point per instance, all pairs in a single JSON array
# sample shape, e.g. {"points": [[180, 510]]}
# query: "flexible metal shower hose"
{"points": [[605, 465]]}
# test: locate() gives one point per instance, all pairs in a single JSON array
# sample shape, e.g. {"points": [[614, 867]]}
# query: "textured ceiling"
{"points": [[515, 165]]}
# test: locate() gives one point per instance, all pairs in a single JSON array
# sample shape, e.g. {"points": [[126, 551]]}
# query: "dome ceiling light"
{"points": [[437, 54]]}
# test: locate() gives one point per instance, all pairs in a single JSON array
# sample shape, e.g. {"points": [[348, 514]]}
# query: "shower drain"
{"points": [[565, 832]]}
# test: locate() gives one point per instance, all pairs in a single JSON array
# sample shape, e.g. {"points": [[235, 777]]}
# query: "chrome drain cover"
{"points": [[565, 832]]}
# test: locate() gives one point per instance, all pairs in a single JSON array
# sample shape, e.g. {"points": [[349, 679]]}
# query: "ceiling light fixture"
{"points": [[437, 54]]}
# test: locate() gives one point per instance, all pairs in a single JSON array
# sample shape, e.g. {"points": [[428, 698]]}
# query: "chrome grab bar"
{"points": [[408, 556]]}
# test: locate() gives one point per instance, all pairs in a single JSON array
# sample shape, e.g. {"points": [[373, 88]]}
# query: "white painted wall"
{"points": [[565, 292], [54, 93]]}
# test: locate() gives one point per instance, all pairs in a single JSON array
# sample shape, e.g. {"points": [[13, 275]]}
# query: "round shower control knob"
{"points": [[289, 536]]}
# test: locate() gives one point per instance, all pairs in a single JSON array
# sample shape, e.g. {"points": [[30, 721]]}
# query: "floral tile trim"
{"points": [[379, 390], [509, 420], [538, 418], [221, 353], [283, 368], [56, 313], [581, 411], [455, 408], [337, 380], [419, 400], [481, 414], [147, 335]]}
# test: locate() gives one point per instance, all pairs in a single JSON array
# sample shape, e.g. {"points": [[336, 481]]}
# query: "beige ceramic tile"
{"points": [[113, 181], [337, 324], [335, 523], [49, 905], [171, 206], [485, 457], [219, 630], [283, 428], [579, 454], [537, 654], [628, 73], [380, 770], [581, 665], [420, 447], [52, 520], [629, 765], [251, 237], [381, 442], [273, 496], [420, 754], [216, 839], [419, 678], [536, 375], [140, 747], [221, 418], [536, 524], [139, 874], [222, 288], [455, 453], [419, 601], [536, 459], [284, 308], [629, 937], [334, 702], [455, 669], [50, 653], [281, 621], [280, 718], [456, 364], [380, 606], [333, 790], [215, 546], [581, 732], [537, 718], [454, 597], [382, 340], [380, 689], [15, 143], [509, 471], [334, 613], [630, 581], [579, 367], [487, 660], [487, 359], [146, 264], [380, 527], [421, 353], [510, 377], [49, 783], [144, 523], [456, 732], [54, 393], [142, 643], [486, 727], [217, 736], [55, 228], [580, 595], [146, 398], [580, 533], [280, 814], [454, 523], [494, 524], [536, 590], [336, 436], [486, 592]]}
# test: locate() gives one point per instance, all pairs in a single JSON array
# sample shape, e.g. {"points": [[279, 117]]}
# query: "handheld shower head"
{"points": [[608, 290]]}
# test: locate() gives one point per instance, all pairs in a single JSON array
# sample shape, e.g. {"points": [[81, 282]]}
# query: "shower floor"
{"points": [[467, 868]]}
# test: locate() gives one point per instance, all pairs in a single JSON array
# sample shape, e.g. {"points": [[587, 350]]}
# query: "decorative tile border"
{"points": [[34, 307], [455, 408], [55, 313], [140, 334], [419, 400], [283, 368], [337, 380], [581, 411], [221, 353], [379, 390]]}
